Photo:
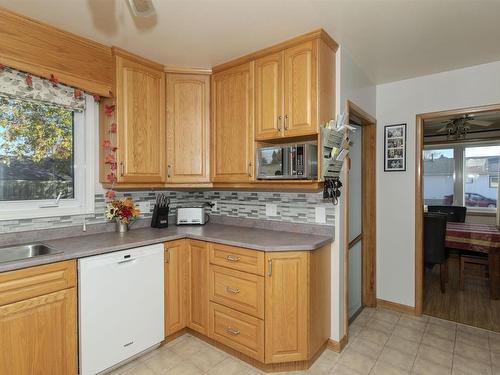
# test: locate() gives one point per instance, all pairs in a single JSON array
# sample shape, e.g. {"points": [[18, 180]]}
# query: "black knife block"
{"points": [[160, 217]]}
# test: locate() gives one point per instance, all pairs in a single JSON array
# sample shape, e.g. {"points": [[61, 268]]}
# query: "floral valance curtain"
{"points": [[19, 85]]}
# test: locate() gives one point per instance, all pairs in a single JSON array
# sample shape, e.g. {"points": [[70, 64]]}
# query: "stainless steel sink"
{"points": [[10, 253]]}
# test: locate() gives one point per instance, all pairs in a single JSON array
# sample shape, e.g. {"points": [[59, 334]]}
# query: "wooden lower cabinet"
{"points": [[287, 306], [198, 291], [239, 331], [38, 335], [272, 307], [176, 286]]}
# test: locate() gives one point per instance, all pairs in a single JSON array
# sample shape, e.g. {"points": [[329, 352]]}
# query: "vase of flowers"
{"points": [[123, 211]]}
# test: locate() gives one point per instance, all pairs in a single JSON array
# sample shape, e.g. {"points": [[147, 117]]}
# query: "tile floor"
{"points": [[381, 342]]}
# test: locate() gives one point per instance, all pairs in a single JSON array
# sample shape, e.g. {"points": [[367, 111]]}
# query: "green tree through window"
{"points": [[36, 151]]}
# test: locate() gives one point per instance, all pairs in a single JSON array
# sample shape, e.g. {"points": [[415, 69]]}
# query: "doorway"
{"points": [[457, 160], [360, 215]]}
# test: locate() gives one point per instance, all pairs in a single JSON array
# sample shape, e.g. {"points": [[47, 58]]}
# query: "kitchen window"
{"points": [[462, 175], [46, 158]]}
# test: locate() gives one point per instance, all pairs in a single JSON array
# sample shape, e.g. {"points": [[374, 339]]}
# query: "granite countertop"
{"points": [[252, 238]]}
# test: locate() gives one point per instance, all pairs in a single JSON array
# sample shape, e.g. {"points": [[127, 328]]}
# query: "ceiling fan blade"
{"points": [[479, 122], [142, 8]]}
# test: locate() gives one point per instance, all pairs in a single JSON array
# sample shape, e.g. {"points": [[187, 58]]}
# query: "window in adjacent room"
{"points": [[439, 176], [481, 169], [464, 174]]}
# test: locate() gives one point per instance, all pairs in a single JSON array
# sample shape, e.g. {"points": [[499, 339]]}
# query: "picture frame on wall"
{"points": [[395, 148]]}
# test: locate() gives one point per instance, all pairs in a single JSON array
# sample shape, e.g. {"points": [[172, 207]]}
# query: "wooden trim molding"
{"points": [[316, 34], [419, 217], [396, 307], [369, 218], [338, 346], [38, 48], [186, 70], [136, 58]]}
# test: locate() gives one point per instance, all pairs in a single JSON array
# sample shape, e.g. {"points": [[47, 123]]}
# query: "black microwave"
{"points": [[288, 162]]}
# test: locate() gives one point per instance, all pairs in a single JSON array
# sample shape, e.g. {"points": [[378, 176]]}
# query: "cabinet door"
{"points": [[232, 125], [301, 89], [269, 97], [176, 286], [287, 305], [188, 123], [38, 335], [140, 108], [198, 296]]}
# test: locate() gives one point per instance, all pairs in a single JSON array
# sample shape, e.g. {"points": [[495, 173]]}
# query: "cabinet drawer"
{"points": [[237, 330], [238, 290], [237, 258], [31, 282]]}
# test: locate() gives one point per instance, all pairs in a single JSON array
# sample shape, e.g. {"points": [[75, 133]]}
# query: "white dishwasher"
{"points": [[120, 306]]}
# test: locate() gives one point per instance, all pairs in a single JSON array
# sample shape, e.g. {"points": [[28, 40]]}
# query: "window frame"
{"points": [[83, 202], [458, 177]]}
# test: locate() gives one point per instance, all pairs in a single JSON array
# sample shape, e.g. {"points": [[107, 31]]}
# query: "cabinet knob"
{"points": [[279, 122], [169, 169], [250, 169], [233, 331], [232, 290], [269, 267], [232, 258], [167, 256], [286, 122], [122, 168]]}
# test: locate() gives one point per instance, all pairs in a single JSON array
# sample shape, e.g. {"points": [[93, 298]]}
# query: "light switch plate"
{"points": [[144, 207], [320, 213], [271, 209]]}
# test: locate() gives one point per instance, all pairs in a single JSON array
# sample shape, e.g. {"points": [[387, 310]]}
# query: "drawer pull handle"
{"points": [[232, 258], [232, 331], [232, 291]]}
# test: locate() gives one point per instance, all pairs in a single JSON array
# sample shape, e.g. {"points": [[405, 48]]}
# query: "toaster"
{"points": [[191, 215]]}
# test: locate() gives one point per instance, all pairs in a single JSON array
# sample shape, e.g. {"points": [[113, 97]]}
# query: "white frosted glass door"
{"points": [[355, 221]]}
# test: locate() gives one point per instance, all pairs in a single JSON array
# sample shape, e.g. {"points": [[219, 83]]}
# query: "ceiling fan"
{"points": [[459, 127], [142, 8]]}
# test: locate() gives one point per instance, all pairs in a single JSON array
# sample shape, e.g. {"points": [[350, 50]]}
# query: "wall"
{"points": [[352, 84], [400, 102]]}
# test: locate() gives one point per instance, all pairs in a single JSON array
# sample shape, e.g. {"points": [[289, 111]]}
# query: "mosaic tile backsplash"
{"points": [[291, 207]]}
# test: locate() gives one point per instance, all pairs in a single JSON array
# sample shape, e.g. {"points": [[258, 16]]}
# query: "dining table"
{"points": [[480, 238]]}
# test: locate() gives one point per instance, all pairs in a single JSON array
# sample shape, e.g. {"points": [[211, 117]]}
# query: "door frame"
{"points": [[419, 202], [369, 214]]}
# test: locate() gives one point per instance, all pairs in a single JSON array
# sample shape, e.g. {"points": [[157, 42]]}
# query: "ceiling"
{"points": [[389, 39], [432, 127]]}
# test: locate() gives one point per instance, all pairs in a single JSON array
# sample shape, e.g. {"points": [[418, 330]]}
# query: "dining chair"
{"points": [[478, 259], [434, 244], [456, 214]]}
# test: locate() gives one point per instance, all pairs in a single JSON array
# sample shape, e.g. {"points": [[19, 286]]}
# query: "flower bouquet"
{"points": [[123, 211]]}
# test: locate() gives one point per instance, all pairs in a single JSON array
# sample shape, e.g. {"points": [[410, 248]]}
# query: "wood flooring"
{"points": [[472, 306]]}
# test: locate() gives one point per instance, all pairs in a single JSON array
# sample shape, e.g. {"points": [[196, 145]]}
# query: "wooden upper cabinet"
{"points": [[188, 128], [269, 96], [232, 125], [140, 112], [287, 306], [294, 91], [176, 286], [301, 89]]}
